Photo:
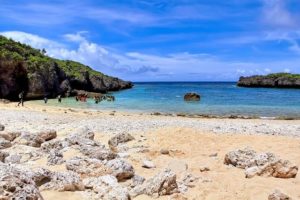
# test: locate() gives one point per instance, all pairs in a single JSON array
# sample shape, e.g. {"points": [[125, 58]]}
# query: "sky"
{"points": [[162, 40]]}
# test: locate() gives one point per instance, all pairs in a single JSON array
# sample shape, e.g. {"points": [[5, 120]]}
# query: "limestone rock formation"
{"points": [[261, 164]]}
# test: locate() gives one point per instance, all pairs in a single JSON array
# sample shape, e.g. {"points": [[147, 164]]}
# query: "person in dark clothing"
{"points": [[59, 98], [45, 99], [21, 99]]}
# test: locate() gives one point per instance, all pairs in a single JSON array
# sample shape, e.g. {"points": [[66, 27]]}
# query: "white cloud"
{"points": [[139, 66], [276, 14]]}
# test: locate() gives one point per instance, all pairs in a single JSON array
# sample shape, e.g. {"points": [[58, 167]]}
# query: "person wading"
{"points": [[21, 99]]}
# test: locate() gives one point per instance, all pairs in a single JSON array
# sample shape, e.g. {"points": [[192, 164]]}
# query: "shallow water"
{"points": [[216, 99]]}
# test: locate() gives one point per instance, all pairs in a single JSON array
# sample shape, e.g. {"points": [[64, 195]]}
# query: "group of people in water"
{"points": [[79, 97]]}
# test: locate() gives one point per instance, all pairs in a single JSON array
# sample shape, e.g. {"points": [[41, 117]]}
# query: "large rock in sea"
{"points": [[23, 68], [280, 80], [192, 97]]}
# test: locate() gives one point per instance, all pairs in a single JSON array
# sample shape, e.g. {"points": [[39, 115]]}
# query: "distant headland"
{"points": [[23, 68], [278, 80]]}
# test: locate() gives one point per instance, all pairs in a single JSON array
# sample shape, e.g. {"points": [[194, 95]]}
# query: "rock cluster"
{"points": [[97, 170], [260, 164]]}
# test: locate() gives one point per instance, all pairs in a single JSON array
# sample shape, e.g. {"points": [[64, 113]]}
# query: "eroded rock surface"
{"points": [[261, 164], [163, 183]]}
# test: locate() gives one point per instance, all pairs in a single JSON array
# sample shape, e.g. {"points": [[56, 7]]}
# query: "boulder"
{"points": [[192, 97], [261, 164], [137, 180], [163, 183], [64, 181], [83, 132], [120, 169], [10, 136], [14, 159], [55, 144], [120, 138], [47, 135], [107, 188], [98, 152], [16, 184], [87, 167], [277, 195], [245, 158], [55, 157], [278, 169], [30, 139]]}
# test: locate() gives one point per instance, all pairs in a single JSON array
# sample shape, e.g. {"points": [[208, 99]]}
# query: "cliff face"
{"points": [[28, 69], [280, 80]]}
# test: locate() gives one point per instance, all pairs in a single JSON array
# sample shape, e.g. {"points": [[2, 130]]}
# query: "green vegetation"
{"points": [[283, 75], [36, 59]]}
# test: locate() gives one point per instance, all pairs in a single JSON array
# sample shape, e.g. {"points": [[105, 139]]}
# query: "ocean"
{"points": [[217, 98]]}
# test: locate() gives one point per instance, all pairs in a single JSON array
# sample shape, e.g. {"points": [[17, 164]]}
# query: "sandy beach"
{"points": [[195, 146]]}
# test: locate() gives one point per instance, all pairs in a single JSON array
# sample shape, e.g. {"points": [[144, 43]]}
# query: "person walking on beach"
{"points": [[21, 99], [59, 98]]}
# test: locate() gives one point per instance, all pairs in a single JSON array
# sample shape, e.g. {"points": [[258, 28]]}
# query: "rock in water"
{"points": [[277, 195], [120, 138], [192, 97]]}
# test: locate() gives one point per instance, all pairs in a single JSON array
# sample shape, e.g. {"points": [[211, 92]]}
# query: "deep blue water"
{"points": [[216, 99]]}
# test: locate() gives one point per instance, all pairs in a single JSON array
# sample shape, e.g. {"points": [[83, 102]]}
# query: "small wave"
{"points": [[178, 96]]}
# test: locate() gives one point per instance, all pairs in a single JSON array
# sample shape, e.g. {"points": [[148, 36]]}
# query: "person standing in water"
{"points": [[21, 99], [59, 98]]}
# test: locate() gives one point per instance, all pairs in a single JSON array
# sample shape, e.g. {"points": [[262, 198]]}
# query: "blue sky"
{"points": [[162, 40]]}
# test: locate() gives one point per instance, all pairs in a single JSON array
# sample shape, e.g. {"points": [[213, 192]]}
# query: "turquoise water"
{"points": [[216, 99]]}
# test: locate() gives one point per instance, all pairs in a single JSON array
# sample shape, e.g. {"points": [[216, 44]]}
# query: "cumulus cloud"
{"points": [[137, 66]]}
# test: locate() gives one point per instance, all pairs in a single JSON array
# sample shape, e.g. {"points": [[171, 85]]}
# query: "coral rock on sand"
{"points": [[15, 184], [148, 164], [65, 181], [55, 144], [164, 151], [120, 138], [55, 157], [163, 183], [137, 180], [3, 155], [83, 132], [15, 158], [107, 188], [87, 167], [98, 152], [261, 164], [4, 144], [277, 195], [30, 139], [47, 135], [10, 136], [120, 169], [2, 127]]}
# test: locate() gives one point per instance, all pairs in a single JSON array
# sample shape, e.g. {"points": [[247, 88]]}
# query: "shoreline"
{"points": [[159, 113]]}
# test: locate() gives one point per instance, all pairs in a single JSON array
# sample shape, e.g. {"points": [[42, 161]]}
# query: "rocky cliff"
{"points": [[279, 80], [25, 68]]}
